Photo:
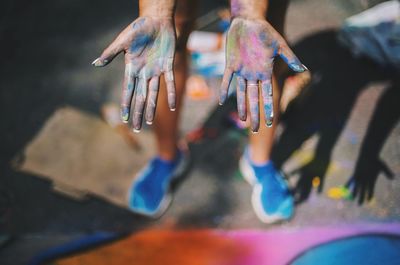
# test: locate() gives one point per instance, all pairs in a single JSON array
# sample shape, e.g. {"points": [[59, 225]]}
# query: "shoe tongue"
{"points": [[264, 171], [163, 168]]}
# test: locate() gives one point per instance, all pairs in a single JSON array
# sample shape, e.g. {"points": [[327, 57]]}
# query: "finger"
{"points": [[127, 92], [291, 59], [268, 100], [226, 81], [109, 53], [140, 99], [253, 95], [170, 84], [241, 97], [152, 99], [116, 46]]}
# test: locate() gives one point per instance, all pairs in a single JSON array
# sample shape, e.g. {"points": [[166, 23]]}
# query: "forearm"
{"points": [[157, 8], [253, 9]]}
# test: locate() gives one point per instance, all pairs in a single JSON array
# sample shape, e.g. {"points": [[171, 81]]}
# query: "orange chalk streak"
{"points": [[200, 247]]}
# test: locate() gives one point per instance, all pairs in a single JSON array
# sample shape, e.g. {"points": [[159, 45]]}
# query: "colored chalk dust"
{"points": [[366, 250], [340, 192], [365, 244]]}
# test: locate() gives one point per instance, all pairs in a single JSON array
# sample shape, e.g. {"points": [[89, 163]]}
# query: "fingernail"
{"points": [[254, 132], [137, 124], [269, 123], [172, 109], [298, 68], [149, 122], [96, 62], [255, 128], [125, 114], [99, 63], [222, 100]]}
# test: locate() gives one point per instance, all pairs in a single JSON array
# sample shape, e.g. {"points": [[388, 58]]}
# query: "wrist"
{"points": [[157, 9], [249, 9]]}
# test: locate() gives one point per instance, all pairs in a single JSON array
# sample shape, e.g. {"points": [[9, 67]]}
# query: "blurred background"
{"points": [[66, 162]]}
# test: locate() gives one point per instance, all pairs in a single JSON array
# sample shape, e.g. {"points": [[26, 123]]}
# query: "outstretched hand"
{"points": [[149, 47], [252, 45]]}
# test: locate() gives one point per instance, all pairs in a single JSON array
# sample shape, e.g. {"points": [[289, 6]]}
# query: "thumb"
{"points": [[108, 54], [290, 58], [111, 51], [386, 170]]}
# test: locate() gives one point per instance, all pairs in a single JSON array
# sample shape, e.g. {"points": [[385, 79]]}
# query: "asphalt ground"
{"points": [[351, 103]]}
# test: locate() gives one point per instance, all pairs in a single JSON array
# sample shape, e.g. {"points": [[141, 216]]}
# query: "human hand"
{"points": [[149, 46], [252, 45]]}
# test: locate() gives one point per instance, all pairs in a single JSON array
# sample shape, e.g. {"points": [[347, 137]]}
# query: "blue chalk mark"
{"points": [[140, 41]]}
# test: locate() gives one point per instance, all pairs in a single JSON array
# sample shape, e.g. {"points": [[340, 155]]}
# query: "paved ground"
{"points": [[47, 51]]}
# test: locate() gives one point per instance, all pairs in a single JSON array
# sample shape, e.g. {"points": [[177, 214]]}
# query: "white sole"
{"points": [[249, 175], [247, 172], [258, 209]]}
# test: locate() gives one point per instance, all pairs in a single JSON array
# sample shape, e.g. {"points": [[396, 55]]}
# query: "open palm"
{"points": [[149, 47], [251, 47]]}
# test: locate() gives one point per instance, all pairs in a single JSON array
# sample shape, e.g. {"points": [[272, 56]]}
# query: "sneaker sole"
{"points": [[258, 209], [249, 176], [247, 172], [165, 203]]}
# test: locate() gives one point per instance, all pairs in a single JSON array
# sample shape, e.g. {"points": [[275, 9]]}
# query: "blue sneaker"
{"points": [[271, 198], [150, 193]]}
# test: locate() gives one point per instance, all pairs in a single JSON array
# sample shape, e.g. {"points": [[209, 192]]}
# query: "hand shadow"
{"points": [[307, 173], [369, 165], [325, 106]]}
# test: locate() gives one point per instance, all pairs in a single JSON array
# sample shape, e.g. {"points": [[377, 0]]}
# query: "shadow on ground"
{"points": [[324, 108]]}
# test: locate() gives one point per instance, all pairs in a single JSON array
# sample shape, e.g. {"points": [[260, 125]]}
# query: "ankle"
{"points": [[258, 158], [168, 155], [263, 165]]}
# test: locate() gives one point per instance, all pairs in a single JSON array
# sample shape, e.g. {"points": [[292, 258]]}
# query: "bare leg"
{"points": [[166, 121], [261, 142]]}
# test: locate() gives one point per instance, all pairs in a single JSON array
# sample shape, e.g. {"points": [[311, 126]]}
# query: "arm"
{"points": [[149, 46], [250, 9], [252, 44]]}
